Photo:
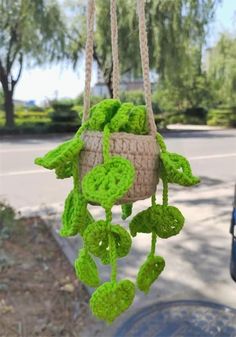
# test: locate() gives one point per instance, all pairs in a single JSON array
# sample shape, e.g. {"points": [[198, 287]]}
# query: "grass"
{"points": [[35, 122], [28, 121]]}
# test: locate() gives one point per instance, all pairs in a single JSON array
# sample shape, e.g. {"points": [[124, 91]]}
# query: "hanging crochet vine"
{"points": [[104, 185], [128, 160]]}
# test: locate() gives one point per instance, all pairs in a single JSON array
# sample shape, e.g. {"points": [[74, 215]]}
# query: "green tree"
{"points": [[32, 31], [1, 99], [222, 69], [176, 33], [180, 33]]}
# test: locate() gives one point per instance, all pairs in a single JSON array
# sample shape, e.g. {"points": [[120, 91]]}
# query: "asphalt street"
{"points": [[197, 260], [23, 184]]}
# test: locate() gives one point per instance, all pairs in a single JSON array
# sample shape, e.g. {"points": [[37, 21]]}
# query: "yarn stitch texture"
{"points": [[96, 238], [104, 185], [149, 272], [108, 182], [86, 269], [126, 210], [111, 299]]}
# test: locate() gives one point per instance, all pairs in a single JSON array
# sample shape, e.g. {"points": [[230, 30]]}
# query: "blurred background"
{"points": [[192, 58], [192, 50]]}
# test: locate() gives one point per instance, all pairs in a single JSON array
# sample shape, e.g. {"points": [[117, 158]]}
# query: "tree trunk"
{"points": [[109, 87], [109, 82], [9, 108]]}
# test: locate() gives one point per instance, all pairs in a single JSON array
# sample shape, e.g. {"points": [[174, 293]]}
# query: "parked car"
{"points": [[233, 232]]}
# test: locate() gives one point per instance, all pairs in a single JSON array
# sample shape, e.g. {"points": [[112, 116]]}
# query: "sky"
{"points": [[60, 81]]}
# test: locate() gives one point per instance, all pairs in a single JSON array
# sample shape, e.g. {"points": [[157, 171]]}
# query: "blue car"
{"points": [[233, 232]]}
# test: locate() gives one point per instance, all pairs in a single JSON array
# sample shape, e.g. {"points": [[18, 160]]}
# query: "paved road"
{"points": [[197, 260], [23, 184]]}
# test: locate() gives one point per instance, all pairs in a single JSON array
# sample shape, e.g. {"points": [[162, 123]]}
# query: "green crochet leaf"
{"points": [[86, 269], [161, 142], [126, 210], [165, 221], [143, 222], [75, 217], [178, 169], [111, 299], [137, 121], [102, 113], [106, 183], [121, 118], [149, 272], [65, 170], [96, 238], [61, 154], [168, 220]]}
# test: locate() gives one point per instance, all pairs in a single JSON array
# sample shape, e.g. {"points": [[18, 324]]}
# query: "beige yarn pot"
{"points": [[141, 150]]}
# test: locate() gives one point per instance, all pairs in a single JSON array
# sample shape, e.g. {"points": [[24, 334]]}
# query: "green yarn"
{"points": [[107, 183], [161, 142], [106, 144], [153, 244], [169, 221], [149, 272], [142, 222], [86, 269], [64, 171], [111, 299], [119, 117], [75, 217], [178, 169], [120, 120], [126, 210], [102, 113], [96, 238], [165, 221], [137, 122], [61, 154]]}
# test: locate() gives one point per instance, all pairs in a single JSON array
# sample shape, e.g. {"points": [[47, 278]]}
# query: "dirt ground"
{"points": [[39, 293]]}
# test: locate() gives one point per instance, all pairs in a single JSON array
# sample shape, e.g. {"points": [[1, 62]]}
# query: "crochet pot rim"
{"points": [[119, 134]]}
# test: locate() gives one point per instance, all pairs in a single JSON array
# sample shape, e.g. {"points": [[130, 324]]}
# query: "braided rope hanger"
{"points": [[145, 64], [115, 58], [88, 57]]}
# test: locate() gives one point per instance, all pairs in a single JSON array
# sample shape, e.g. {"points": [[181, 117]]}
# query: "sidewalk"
{"points": [[197, 260]]}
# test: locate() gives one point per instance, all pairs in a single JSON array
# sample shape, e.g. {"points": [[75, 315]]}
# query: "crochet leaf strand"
{"points": [[86, 269]]}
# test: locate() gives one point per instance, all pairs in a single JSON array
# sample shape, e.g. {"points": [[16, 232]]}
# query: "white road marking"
{"points": [[18, 173], [30, 149], [39, 171], [212, 156]]}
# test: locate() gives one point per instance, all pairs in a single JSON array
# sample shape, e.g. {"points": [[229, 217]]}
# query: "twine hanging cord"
{"points": [[115, 57], [114, 48], [88, 57], [145, 64]]}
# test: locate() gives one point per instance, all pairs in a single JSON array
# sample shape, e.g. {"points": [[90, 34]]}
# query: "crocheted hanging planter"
{"points": [[121, 158], [141, 150]]}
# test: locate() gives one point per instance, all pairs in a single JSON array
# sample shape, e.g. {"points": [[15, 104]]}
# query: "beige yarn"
{"points": [[141, 150], [145, 64], [88, 57], [114, 46]]}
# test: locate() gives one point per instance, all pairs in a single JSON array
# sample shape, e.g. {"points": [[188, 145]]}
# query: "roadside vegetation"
{"points": [[65, 115], [194, 85]]}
